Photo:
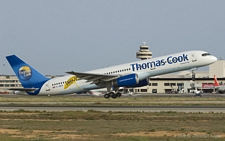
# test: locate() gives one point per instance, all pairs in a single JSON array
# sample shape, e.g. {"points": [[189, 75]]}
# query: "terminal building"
{"points": [[179, 82]]}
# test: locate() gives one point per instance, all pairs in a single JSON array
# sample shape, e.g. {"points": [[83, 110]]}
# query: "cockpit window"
{"points": [[206, 54]]}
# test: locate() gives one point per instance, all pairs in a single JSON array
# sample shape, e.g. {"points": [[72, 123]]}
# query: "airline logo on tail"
{"points": [[216, 83], [25, 73]]}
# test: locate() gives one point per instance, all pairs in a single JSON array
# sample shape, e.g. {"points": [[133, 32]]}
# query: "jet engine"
{"points": [[142, 83], [126, 80]]}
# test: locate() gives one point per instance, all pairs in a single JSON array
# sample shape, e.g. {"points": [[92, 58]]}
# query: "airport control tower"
{"points": [[144, 52]]}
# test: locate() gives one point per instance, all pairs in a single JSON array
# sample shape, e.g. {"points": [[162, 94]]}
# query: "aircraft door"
{"points": [[193, 57], [47, 88]]}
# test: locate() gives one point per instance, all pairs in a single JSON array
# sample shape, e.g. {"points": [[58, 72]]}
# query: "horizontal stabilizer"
{"points": [[24, 89]]}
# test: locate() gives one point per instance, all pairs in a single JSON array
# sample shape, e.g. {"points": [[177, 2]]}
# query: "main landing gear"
{"points": [[113, 95]]}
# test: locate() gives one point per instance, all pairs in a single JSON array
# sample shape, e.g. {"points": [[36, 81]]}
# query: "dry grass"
{"points": [[110, 126], [120, 126]]}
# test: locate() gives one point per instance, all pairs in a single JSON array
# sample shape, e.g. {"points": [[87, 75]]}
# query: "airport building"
{"points": [[144, 52], [8, 81]]}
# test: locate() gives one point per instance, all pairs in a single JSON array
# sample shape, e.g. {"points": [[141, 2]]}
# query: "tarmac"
{"points": [[186, 109]]}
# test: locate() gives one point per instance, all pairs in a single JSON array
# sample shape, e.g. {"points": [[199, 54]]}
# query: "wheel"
{"points": [[111, 94], [119, 94], [106, 96], [114, 96]]}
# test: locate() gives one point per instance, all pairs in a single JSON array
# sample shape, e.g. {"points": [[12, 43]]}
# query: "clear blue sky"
{"points": [[55, 36]]}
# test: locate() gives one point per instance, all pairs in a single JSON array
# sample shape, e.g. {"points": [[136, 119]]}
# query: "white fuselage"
{"points": [[144, 68], [220, 88]]}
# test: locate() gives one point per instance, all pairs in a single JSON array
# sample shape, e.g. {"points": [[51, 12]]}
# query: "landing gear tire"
{"points": [[114, 96], [118, 94], [106, 96]]}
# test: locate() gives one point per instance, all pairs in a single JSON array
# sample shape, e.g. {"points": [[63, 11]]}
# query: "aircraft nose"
{"points": [[214, 59]]}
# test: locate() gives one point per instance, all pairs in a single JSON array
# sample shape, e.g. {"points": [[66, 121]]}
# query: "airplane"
{"points": [[101, 92], [98, 92], [219, 88], [134, 74], [197, 92]]}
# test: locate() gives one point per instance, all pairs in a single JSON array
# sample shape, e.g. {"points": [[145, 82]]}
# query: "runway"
{"points": [[53, 107], [134, 95], [131, 96], [186, 109]]}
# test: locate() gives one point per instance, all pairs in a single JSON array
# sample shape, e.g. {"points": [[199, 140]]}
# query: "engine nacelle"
{"points": [[127, 80], [142, 83]]}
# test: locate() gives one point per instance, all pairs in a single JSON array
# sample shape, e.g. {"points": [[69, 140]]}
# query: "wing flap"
{"points": [[92, 77]]}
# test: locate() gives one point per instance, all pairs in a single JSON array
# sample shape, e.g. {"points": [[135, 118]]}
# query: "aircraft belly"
{"points": [[221, 89], [71, 89], [167, 70], [91, 86]]}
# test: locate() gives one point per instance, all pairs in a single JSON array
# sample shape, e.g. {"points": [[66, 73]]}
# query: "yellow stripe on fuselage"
{"points": [[70, 81]]}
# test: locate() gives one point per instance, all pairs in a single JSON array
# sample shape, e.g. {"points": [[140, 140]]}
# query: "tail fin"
{"points": [[28, 76], [216, 83]]}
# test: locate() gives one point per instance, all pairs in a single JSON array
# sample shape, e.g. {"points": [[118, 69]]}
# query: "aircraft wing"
{"points": [[24, 89], [92, 77]]}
